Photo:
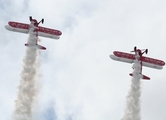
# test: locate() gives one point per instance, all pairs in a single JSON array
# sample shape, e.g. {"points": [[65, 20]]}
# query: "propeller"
{"points": [[42, 21], [135, 48], [145, 50]]}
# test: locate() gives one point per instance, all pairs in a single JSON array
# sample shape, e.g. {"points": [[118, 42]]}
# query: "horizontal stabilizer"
{"points": [[41, 47], [35, 46], [142, 76]]}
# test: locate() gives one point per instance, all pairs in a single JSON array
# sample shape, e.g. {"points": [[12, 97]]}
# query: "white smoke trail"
{"points": [[132, 111], [28, 90]]}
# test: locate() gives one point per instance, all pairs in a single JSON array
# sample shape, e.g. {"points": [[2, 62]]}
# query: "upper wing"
{"points": [[123, 57], [153, 63], [146, 61], [49, 33], [18, 27], [42, 31]]}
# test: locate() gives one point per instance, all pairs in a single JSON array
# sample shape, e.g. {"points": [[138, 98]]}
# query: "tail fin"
{"points": [[36, 46], [142, 76]]}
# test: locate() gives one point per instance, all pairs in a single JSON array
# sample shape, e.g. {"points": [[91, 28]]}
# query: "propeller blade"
{"points": [[135, 48], [30, 18], [146, 51], [42, 21]]}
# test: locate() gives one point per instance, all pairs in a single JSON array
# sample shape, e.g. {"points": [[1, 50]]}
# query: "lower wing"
{"points": [[49, 33], [146, 64], [152, 63], [16, 29]]}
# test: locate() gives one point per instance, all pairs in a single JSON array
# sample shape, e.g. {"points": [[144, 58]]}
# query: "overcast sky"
{"points": [[79, 81]]}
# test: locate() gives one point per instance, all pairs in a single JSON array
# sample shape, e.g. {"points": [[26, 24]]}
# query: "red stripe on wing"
{"points": [[144, 59], [50, 31], [19, 25], [124, 55], [153, 61]]}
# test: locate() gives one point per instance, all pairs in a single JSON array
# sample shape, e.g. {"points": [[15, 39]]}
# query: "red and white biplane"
{"points": [[144, 61], [38, 30]]}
